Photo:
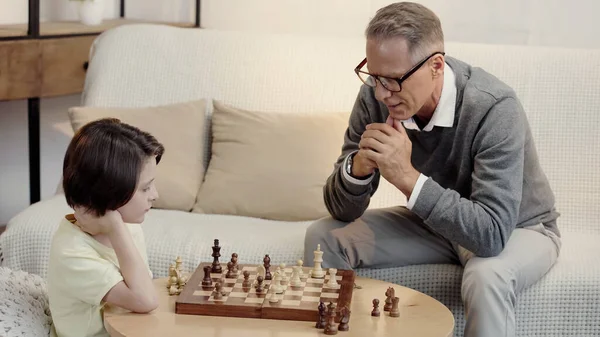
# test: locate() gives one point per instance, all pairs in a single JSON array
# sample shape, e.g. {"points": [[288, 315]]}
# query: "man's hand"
{"points": [[95, 225], [361, 165], [388, 146]]}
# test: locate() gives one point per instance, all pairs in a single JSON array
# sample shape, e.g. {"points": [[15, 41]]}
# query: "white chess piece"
{"points": [[273, 297], [296, 281], [332, 283], [276, 285], [303, 276], [284, 278], [317, 271]]}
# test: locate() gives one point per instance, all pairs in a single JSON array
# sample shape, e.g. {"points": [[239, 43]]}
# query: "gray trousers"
{"points": [[395, 237]]}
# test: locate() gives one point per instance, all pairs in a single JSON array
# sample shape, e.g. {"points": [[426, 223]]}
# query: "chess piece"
{"points": [[330, 327], [273, 296], [317, 271], [284, 278], [375, 311], [172, 276], [246, 282], [234, 259], [303, 276], [395, 312], [389, 294], [322, 320], [345, 319], [218, 293], [259, 287], [276, 285], [230, 273], [295, 281], [207, 280], [216, 266], [332, 283], [267, 265]]}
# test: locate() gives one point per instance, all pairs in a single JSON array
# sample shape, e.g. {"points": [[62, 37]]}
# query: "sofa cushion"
{"points": [[180, 128], [270, 165]]}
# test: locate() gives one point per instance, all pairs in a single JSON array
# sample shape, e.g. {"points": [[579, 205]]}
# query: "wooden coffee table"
{"points": [[420, 315]]}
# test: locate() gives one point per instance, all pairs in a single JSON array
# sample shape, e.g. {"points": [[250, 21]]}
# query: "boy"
{"points": [[98, 254]]}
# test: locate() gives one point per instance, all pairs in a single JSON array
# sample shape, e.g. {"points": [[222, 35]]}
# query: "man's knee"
{"points": [[488, 277]]}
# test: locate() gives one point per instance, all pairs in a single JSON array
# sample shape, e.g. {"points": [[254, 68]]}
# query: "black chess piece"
{"points": [[267, 265], [230, 273], [218, 293], [207, 280], [259, 287], [389, 295], [345, 319], [216, 266], [375, 311], [234, 259], [246, 282], [330, 327], [321, 321], [394, 311]]}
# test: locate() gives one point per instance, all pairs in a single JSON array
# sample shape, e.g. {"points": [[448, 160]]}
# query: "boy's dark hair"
{"points": [[103, 163]]}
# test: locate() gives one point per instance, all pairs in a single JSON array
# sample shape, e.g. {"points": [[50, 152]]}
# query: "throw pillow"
{"points": [[270, 165], [180, 128]]}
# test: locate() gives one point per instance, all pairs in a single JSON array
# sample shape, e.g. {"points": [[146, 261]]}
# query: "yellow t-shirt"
{"points": [[81, 271]]}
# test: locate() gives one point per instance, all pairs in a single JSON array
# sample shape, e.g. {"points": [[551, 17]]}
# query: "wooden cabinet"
{"points": [[62, 63], [20, 69]]}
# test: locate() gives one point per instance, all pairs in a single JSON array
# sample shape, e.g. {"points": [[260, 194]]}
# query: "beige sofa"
{"points": [[258, 198]]}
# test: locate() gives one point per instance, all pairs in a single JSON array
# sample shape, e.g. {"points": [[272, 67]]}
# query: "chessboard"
{"points": [[299, 303]]}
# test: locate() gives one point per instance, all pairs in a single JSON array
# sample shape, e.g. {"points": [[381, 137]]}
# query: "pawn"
{"points": [[375, 312], [230, 273], [246, 282], [395, 312], [218, 294], [322, 320], [259, 286], [207, 280]]}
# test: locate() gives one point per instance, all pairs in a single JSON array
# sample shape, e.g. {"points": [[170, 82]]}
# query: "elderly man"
{"points": [[455, 140]]}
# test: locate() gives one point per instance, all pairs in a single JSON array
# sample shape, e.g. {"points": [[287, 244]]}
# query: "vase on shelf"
{"points": [[91, 12]]}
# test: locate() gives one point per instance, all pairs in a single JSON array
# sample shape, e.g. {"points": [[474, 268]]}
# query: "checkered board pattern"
{"points": [[296, 303]]}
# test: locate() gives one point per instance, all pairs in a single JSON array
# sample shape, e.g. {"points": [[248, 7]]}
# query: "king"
{"points": [[317, 271]]}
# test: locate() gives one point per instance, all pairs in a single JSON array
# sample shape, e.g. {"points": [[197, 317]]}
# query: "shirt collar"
{"points": [[443, 116]]}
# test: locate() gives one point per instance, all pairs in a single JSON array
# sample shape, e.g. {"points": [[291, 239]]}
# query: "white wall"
{"points": [[529, 22]]}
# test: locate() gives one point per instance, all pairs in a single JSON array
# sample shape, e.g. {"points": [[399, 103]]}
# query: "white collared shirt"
{"points": [[443, 116]]}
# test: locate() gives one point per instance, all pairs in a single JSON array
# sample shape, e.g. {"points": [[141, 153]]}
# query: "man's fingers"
{"points": [[371, 144], [372, 155], [398, 126], [385, 128], [378, 135]]}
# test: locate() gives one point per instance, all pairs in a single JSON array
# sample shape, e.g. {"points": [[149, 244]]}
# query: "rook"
{"points": [[395, 312], [207, 280]]}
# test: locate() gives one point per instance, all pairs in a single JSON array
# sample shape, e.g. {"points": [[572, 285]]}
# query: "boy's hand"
{"points": [[95, 225]]}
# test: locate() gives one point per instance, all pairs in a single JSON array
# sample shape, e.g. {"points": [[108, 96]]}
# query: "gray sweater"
{"points": [[485, 177]]}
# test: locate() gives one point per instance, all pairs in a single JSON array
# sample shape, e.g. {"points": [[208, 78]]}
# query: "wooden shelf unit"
{"points": [[72, 28], [46, 59]]}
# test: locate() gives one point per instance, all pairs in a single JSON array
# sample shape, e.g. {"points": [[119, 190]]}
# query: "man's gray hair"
{"points": [[414, 22]]}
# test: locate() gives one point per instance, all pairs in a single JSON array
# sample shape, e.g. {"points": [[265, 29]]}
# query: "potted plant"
{"points": [[91, 12]]}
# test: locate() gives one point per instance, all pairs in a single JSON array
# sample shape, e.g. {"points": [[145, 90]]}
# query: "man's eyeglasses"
{"points": [[391, 84]]}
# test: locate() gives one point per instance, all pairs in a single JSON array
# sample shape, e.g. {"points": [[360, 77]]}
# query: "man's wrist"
{"points": [[407, 183]]}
